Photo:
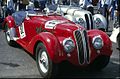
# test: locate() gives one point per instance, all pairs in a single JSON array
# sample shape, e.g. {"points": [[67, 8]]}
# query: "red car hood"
{"points": [[57, 24]]}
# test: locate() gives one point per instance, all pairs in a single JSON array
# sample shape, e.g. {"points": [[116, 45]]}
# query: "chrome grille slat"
{"points": [[87, 21], [91, 21], [87, 47], [82, 46]]}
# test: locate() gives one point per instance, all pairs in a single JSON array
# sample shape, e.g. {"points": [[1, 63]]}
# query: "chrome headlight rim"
{"points": [[68, 45], [97, 42]]}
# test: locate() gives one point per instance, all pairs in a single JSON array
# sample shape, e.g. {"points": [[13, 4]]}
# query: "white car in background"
{"points": [[75, 13]]}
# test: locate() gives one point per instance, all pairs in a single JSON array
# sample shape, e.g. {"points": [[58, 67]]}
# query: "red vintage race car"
{"points": [[53, 39]]}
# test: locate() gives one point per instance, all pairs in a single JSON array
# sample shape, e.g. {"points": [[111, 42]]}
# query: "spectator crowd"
{"points": [[108, 8]]}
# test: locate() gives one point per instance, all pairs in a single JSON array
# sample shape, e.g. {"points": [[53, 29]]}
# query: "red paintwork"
{"points": [[106, 50], [10, 21], [52, 39]]}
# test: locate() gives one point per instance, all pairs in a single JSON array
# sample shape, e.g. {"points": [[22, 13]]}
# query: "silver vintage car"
{"points": [[72, 11]]}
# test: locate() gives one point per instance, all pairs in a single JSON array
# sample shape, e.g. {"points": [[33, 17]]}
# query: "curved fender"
{"points": [[49, 40], [107, 42], [103, 21], [107, 47], [10, 21]]}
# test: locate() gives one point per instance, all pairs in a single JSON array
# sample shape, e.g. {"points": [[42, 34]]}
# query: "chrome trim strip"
{"points": [[86, 46], [84, 43], [78, 48]]}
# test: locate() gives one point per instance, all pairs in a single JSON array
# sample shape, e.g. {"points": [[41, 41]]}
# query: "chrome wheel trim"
{"points": [[8, 35], [43, 61]]}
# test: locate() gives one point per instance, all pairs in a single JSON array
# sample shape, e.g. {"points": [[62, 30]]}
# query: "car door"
{"points": [[27, 31]]}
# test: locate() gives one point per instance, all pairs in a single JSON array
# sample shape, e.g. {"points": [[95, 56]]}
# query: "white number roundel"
{"points": [[52, 23]]}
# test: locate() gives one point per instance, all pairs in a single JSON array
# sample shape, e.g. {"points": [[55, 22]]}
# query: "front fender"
{"points": [[49, 40], [106, 40], [106, 50], [10, 22], [103, 24]]}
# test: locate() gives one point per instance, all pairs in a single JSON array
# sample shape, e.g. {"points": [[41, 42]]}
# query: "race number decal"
{"points": [[22, 31], [52, 23]]}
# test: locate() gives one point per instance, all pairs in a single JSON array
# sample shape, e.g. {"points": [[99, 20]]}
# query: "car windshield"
{"points": [[73, 3]]}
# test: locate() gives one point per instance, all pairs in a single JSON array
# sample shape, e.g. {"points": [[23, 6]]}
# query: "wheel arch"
{"points": [[50, 42], [35, 46]]}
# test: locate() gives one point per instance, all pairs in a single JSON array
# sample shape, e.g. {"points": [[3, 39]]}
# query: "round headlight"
{"points": [[68, 45], [97, 22], [97, 42], [80, 21]]}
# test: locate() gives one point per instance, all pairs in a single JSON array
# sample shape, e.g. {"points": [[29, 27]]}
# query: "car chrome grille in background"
{"points": [[82, 46], [89, 21]]}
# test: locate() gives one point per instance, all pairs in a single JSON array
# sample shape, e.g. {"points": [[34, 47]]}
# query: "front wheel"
{"points": [[8, 36], [45, 65]]}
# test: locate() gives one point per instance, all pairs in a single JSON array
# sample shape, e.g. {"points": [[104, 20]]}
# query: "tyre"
{"points": [[118, 41], [7, 36], [45, 65], [100, 63]]}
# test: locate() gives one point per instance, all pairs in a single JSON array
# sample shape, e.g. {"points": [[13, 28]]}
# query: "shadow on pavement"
{"points": [[107, 72]]}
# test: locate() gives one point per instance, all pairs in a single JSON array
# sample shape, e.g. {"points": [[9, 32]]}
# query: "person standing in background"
{"points": [[15, 4], [40, 4], [23, 4], [103, 6], [87, 5], [114, 12], [10, 7]]}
